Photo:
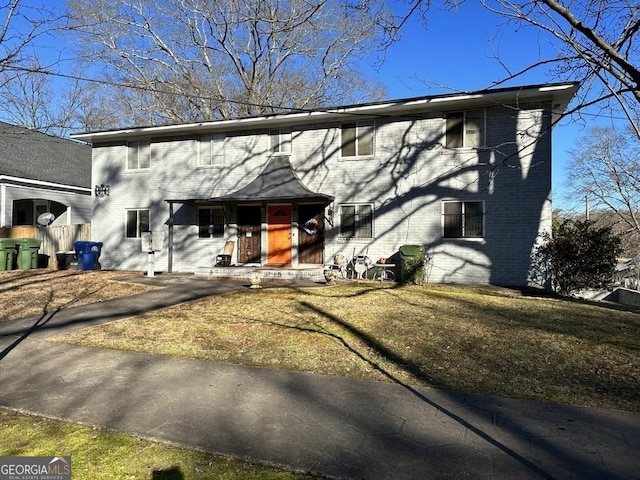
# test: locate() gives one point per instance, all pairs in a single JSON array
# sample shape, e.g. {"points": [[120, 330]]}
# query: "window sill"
{"points": [[466, 149], [355, 239], [216, 165], [356, 158], [465, 239]]}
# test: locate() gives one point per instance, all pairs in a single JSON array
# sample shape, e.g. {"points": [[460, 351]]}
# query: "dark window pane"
{"points": [[473, 219], [454, 130], [217, 220], [210, 222], [452, 219], [348, 219], [463, 219], [365, 222], [453, 226], [132, 223], [144, 221], [203, 222]]}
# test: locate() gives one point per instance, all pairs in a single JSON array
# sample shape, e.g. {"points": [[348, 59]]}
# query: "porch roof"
{"points": [[277, 182]]}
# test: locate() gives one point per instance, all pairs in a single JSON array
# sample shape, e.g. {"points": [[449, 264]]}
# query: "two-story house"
{"points": [[467, 176]]}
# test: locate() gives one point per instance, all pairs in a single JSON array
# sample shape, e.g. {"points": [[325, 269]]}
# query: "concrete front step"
{"points": [[314, 274]]}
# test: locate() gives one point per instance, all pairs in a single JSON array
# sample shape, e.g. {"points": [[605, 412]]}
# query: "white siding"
{"points": [[406, 180]]}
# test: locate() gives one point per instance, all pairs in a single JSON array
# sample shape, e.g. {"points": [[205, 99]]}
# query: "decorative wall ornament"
{"points": [[311, 227], [102, 190]]}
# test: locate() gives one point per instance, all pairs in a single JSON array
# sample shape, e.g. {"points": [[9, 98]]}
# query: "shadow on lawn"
{"points": [[173, 473], [397, 360], [32, 277], [42, 321]]}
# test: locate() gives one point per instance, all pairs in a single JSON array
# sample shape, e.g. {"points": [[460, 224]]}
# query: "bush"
{"points": [[580, 255]]}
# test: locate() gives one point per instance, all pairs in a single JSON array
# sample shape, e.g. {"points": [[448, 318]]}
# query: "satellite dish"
{"points": [[45, 219]]}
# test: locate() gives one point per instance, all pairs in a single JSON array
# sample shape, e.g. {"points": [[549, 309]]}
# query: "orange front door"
{"points": [[279, 234]]}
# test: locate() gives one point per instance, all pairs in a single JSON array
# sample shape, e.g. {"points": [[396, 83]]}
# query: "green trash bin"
{"points": [[7, 250], [412, 268], [28, 253]]}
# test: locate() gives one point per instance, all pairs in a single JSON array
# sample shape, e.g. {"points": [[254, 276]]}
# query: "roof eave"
{"points": [[560, 94]]}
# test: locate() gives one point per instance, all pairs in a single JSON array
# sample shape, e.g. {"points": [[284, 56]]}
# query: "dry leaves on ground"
{"points": [[25, 293]]}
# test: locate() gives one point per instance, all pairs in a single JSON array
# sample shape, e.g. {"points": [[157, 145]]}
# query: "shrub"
{"points": [[580, 255]]}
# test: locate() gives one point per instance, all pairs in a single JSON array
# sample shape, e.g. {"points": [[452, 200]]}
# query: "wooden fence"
{"points": [[54, 239]]}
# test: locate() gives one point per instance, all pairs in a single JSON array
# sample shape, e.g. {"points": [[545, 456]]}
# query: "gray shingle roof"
{"points": [[276, 182], [33, 155]]}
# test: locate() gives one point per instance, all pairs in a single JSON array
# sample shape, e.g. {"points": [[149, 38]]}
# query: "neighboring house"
{"points": [[41, 173], [467, 176], [627, 273]]}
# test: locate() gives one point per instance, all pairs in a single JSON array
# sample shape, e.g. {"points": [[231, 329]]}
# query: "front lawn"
{"points": [[471, 340]]}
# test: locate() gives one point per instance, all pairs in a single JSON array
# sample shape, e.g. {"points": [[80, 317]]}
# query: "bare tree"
{"points": [[605, 168], [598, 46], [595, 42], [30, 95], [35, 99], [22, 24], [183, 60]]}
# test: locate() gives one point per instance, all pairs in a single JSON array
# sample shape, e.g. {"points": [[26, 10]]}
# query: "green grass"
{"points": [[102, 455], [470, 340]]}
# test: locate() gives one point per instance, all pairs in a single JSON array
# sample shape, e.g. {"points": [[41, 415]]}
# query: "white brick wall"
{"points": [[406, 180]]}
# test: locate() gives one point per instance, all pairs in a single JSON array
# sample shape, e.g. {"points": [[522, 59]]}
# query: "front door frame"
{"points": [[249, 234]]}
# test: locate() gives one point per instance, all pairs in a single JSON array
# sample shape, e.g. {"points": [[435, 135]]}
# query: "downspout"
{"points": [[170, 256], [3, 206]]}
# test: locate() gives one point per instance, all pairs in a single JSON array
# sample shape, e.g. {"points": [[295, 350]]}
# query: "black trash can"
{"points": [[66, 260], [412, 268]]}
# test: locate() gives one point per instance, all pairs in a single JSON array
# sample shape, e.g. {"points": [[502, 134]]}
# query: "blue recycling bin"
{"points": [[87, 254]]}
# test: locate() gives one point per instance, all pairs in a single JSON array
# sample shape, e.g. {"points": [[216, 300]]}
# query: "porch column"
{"points": [[170, 254]]}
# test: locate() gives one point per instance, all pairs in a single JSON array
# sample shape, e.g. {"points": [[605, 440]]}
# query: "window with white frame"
{"points": [[356, 221], [463, 219], [211, 150], [138, 155], [357, 139], [137, 222], [280, 142], [465, 129], [210, 222]]}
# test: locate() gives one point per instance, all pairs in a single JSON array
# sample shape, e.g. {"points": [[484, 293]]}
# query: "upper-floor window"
{"points": [[357, 139], [356, 221], [210, 222], [138, 155], [463, 219], [465, 129], [211, 150], [280, 141], [137, 222]]}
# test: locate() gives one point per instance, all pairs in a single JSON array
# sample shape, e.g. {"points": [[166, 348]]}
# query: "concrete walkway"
{"points": [[333, 426]]}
